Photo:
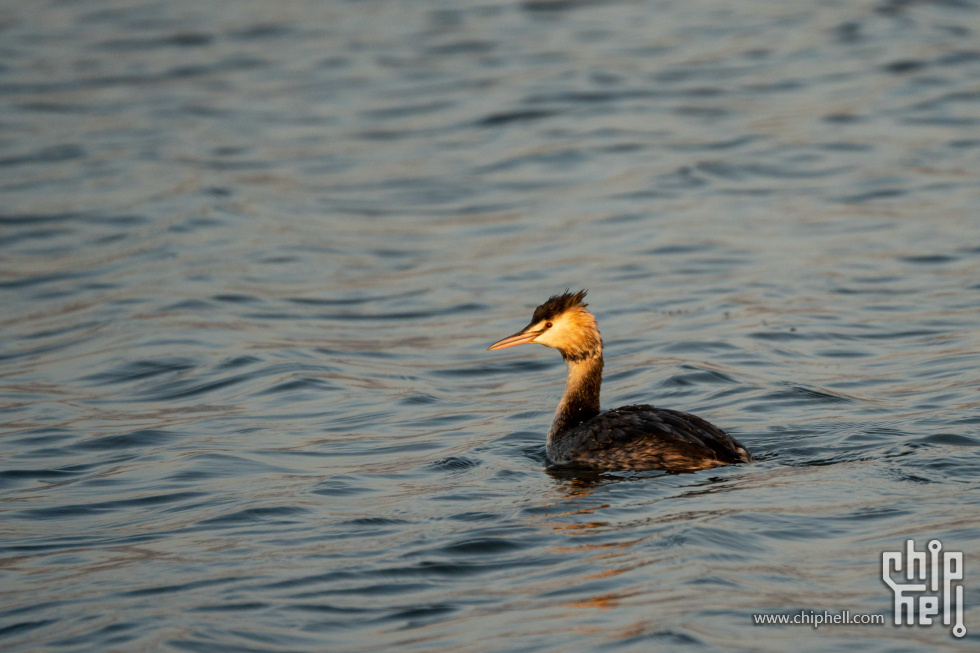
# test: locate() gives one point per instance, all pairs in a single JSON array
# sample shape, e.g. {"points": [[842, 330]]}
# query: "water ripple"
{"points": [[250, 262]]}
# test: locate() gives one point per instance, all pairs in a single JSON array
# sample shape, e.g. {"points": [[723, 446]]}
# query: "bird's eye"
{"points": [[547, 325]]}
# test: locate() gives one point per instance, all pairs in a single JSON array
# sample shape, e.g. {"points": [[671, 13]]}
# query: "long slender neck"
{"points": [[580, 402]]}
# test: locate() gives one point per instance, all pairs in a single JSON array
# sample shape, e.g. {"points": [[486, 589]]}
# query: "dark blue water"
{"points": [[252, 253]]}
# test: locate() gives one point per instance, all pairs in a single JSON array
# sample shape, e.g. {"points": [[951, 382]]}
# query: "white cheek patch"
{"points": [[555, 336]]}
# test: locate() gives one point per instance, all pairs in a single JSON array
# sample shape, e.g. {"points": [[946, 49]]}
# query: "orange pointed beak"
{"points": [[520, 338]]}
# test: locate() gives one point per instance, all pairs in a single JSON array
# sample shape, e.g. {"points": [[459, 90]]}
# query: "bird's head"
{"points": [[562, 323]]}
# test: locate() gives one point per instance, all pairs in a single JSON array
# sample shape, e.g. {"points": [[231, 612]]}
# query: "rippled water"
{"points": [[251, 255]]}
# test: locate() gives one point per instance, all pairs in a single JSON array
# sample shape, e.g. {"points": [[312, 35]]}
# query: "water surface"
{"points": [[251, 255]]}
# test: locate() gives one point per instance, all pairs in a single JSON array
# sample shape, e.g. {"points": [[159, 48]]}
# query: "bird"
{"points": [[631, 438]]}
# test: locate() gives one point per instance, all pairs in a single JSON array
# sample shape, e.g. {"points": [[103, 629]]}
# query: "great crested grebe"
{"points": [[638, 437]]}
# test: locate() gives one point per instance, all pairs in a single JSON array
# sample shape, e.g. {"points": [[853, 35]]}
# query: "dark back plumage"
{"points": [[645, 437]]}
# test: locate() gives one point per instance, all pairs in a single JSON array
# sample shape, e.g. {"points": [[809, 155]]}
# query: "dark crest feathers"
{"points": [[558, 304]]}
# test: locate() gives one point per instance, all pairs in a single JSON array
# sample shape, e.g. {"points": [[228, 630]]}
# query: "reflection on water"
{"points": [[251, 257]]}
